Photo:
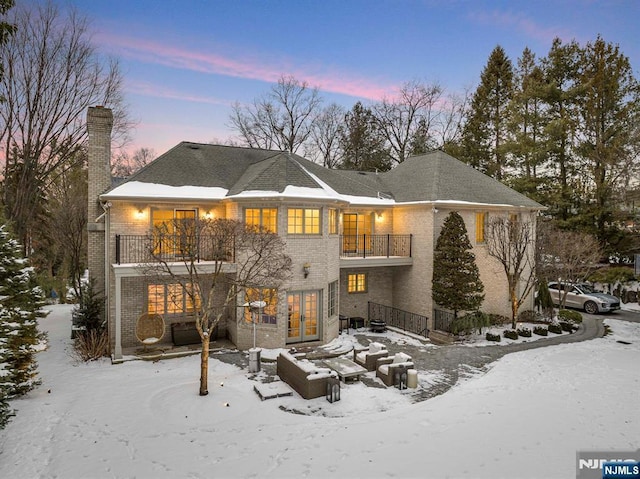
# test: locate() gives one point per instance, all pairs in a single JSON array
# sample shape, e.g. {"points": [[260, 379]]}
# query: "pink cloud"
{"points": [[522, 24], [149, 89], [205, 62]]}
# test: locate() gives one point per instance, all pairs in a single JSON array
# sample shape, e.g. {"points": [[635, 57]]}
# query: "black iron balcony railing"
{"points": [[398, 318], [153, 249], [364, 246]]}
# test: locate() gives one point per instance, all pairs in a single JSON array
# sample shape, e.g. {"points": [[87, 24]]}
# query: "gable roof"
{"points": [[200, 171]]}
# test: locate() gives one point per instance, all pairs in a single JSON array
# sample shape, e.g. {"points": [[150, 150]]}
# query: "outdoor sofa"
{"points": [[307, 379]]}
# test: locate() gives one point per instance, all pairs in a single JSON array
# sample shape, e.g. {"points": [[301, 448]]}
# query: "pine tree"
{"points": [[561, 79], [485, 133], [362, 142], [608, 142], [527, 123], [20, 308], [5, 373], [456, 280]]}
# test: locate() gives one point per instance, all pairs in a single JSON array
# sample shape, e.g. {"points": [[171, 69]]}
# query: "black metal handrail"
{"points": [[443, 320], [155, 248], [398, 318], [363, 246]]}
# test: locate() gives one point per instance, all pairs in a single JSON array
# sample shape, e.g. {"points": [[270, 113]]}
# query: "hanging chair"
{"points": [[149, 328]]}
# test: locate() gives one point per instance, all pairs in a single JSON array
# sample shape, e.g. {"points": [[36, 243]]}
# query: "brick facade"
{"points": [[406, 286]]}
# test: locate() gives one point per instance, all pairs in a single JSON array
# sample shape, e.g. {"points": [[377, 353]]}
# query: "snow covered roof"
{"points": [[192, 171]]}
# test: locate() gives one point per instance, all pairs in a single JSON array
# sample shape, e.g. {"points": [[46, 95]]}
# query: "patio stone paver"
{"points": [[450, 363], [455, 362]]}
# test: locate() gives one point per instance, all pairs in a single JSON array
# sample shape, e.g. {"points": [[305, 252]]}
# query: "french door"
{"points": [[304, 316], [355, 231]]}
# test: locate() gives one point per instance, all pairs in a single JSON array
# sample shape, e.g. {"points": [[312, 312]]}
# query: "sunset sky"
{"points": [[186, 62]]}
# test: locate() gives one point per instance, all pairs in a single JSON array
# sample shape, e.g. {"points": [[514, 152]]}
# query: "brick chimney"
{"points": [[99, 125]]}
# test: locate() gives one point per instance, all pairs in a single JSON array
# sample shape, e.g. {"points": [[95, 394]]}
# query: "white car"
{"points": [[583, 296]]}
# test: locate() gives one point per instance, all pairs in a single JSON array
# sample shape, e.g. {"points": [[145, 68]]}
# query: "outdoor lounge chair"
{"points": [[368, 358], [387, 367]]}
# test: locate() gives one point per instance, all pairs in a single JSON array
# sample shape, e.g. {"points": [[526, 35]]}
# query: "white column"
{"points": [[117, 353]]}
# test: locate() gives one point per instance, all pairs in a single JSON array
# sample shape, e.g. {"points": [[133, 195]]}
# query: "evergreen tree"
{"points": [[456, 280], [526, 125], [21, 301], [561, 70], [5, 373], [6, 30], [362, 142], [485, 133], [608, 140]]}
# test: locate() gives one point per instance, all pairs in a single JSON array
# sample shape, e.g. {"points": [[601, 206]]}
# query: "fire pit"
{"points": [[377, 326]]}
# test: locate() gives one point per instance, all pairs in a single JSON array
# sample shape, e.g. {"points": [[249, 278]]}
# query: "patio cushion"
{"points": [[401, 358]]}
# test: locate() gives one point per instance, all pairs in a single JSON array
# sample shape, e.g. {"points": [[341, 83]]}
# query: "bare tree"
{"points": [[511, 241], [567, 256], [411, 113], [282, 119], [324, 147], [451, 119], [52, 73], [214, 261], [66, 222], [123, 165]]}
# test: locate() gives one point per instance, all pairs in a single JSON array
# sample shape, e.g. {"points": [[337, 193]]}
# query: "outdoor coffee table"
{"points": [[346, 369]]}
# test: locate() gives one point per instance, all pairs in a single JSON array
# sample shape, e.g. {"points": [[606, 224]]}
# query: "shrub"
{"points": [[570, 315], [543, 300], [89, 313], [613, 274], [467, 323], [555, 328], [91, 345], [528, 316], [462, 325], [524, 332], [510, 334], [540, 331], [493, 337], [566, 326], [498, 320]]}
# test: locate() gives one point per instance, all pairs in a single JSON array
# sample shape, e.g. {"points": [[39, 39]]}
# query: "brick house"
{"points": [[355, 238]]}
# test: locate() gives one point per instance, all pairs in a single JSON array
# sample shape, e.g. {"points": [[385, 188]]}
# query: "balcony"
{"points": [[375, 250], [138, 249]]}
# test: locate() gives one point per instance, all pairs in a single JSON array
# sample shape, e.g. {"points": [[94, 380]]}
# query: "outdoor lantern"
{"points": [[333, 389], [306, 268], [400, 377]]}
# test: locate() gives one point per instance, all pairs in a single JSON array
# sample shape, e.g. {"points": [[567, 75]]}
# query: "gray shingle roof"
{"points": [[434, 176], [195, 164]]}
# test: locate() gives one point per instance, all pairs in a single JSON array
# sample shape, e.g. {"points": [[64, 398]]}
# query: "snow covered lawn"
{"points": [[526, 417]]}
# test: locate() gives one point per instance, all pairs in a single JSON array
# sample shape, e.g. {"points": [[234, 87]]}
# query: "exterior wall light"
{"points": [[306, 268], [140, 213], [208, 215]]}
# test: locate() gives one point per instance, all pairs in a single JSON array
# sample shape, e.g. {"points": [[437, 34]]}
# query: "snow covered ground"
{"points": [[526, 417]]}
